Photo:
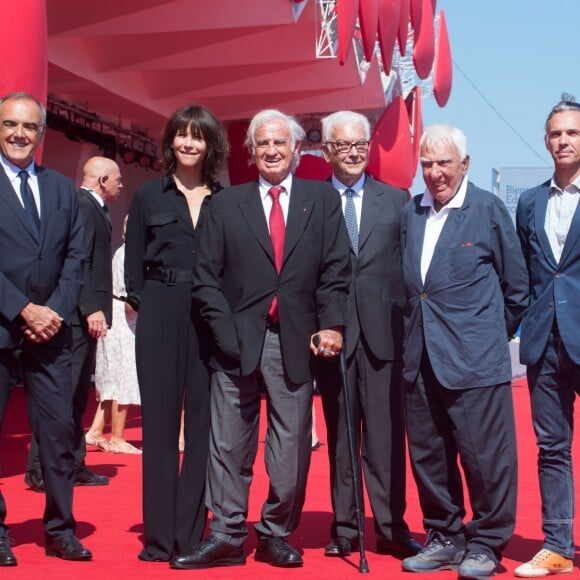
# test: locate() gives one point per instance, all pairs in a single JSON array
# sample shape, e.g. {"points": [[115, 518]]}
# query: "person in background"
{"points": [[166, 218], [42, 248], [467, 288], [548, 224], [115, 370], [374, 338], [101, 183], [273, 270]]}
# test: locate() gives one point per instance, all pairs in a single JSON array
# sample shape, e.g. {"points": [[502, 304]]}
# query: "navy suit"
{"points": [[551, 348], [96, 294], [47, 271], [457, 367], [554, 286]]}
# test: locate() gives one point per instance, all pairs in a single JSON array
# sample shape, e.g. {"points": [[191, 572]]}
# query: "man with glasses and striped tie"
{"points": [[373, 343]]}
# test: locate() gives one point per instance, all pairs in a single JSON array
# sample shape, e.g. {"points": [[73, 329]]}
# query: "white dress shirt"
{"points": [[562, 205], [357, 198], [267, 199], [435, 222], [12, 173]]}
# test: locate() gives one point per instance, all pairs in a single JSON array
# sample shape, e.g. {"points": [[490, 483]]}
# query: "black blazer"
{"points": [[47, 271], [235, 277], [376, 299], [97, 292]]}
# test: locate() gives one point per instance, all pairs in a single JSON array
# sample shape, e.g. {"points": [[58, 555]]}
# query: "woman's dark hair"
{"points": [[203, 124]]}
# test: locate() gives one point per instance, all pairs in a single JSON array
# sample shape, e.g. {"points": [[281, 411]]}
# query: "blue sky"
{"points": [[521, 55]]}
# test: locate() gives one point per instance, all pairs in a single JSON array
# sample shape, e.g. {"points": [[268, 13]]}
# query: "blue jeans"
{"points": [[553, 383]]}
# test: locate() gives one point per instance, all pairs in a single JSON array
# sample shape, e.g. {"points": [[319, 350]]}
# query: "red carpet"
{"points": [[109, 518]]}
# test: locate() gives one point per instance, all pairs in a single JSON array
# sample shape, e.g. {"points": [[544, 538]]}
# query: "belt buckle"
{"points": [[171, 278]]}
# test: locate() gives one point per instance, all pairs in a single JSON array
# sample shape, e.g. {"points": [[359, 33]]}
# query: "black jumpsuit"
{"points": [[172, 348]]}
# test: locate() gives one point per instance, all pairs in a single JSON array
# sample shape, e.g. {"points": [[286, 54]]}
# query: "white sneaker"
{"points": [[544, 563]]}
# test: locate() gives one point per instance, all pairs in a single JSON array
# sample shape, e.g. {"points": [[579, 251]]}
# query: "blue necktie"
{"points": [[29, 204], [350, 219]]}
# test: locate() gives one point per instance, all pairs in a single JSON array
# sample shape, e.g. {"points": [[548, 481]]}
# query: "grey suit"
{"points": [[374, 339]]}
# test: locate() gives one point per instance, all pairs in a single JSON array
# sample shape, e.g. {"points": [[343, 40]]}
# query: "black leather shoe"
{"points": [[68, 548], [340, 547], [277, 552], [210, 553], [400, 548], [33, 479], [7, 558], [84, 476]]}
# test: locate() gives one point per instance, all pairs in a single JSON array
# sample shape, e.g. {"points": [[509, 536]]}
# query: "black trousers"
{"points": [[475, 426], [46, 373], [84, 349], [171, 353], [375, 394]]}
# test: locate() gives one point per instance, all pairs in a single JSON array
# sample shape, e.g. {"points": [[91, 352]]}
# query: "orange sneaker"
{"points": [[544, 563]]}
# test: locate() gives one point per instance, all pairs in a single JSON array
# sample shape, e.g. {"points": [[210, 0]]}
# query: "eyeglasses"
{"points": [[346, 146]]}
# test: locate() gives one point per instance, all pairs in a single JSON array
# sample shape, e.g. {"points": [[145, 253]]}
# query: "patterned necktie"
{"points": [[350, 219], [277, 234], [29, 204]]}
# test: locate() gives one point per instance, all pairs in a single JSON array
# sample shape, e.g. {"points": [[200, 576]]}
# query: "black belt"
{"points": [[273, 327], [170, 276]]}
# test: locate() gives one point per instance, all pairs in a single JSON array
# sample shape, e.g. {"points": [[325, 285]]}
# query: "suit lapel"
{"points": [[47, 200], [541, 206], [8, 196], [99, 208], [253, 211], [573, 235], [372, 206], [299, 212]]}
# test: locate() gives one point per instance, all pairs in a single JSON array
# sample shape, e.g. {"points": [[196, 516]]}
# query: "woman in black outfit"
{"points": [[172, 342]]}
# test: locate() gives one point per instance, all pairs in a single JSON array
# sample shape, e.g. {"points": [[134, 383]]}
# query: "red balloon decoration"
{"points": [[391, 152], [424, 49], [388, 28], [403, 30], [368, 18], [443, 69], [413, 104], [346, 14]]}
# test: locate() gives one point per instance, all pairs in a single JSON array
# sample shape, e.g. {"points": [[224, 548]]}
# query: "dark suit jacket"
{"points": [[377, 294], [554, 287], [475, 292], [97, 292], [47, 271], [235, 277]]}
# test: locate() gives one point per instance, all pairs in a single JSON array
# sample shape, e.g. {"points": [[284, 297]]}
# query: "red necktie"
{"points": [[277, 234]]}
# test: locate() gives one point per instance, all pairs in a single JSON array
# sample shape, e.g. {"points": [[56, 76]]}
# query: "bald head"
{"points": [[103, 176]]}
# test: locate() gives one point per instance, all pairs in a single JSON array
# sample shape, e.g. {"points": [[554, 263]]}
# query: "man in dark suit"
{"points": [[41, 261], [548, 224], [467, 288], [101, 183], [272, 271], [373, 343]]}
